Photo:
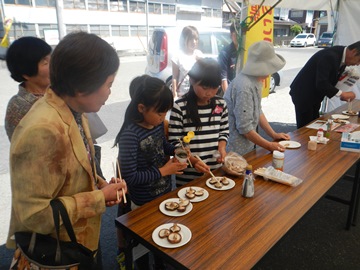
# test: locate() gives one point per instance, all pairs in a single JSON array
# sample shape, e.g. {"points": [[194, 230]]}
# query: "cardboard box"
{"points": [[348, 144]]}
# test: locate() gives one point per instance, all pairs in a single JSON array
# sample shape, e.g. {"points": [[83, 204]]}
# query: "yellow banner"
{"points": [[262, 30], [7, 26]]}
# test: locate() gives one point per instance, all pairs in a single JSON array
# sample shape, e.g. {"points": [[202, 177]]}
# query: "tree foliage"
{"points": [[296, 29]]}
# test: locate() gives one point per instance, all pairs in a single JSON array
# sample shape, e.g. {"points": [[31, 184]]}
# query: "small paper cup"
{"points": [[181, 155]]}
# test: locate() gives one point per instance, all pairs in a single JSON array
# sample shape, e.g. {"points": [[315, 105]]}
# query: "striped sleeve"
{"points": [[176, 129], [134, 169]]}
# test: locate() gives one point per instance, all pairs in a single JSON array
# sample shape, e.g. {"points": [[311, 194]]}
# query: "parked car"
{"points": [[325, 40], [303, 40], [164, 42]]}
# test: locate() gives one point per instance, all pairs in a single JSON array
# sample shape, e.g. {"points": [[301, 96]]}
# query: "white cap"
{"points": [[278, 154]]}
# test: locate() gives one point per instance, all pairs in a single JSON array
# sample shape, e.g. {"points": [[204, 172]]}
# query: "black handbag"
{"points": [[47, 252]]}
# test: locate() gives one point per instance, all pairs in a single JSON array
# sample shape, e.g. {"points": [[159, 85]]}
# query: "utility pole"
{"points": [[147, 22], [59, 15], [2, 11], [242, 33]]}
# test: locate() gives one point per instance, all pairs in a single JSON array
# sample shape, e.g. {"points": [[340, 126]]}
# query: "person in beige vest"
{"points": [[52, 152]]}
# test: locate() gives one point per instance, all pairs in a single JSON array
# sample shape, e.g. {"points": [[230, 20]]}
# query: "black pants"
{"points": [[304, 117]]}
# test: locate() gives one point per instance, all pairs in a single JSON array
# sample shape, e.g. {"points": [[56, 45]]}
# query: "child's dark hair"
{"points": [[206, 72], [152, 93]]}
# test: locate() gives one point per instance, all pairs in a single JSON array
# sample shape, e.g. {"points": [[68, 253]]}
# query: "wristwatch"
{"points": [[338, 94]]}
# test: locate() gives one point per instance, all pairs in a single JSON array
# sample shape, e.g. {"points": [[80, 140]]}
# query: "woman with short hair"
{"points": [[52, 153], [28, 60]]}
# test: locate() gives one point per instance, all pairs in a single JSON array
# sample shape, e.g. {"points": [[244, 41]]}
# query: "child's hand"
{"points": [[201, 167], [172, 167], [220, 155]]}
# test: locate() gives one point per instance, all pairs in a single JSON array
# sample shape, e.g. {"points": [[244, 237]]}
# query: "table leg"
{"points": [[356, 210], [130, 244], [354, 199]]}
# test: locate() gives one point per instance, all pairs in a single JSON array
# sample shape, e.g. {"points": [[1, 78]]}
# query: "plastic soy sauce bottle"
{"points": [[248, 189], [320, 134]]}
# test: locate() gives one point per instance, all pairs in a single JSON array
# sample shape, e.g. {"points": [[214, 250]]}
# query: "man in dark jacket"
{"points": [[227, 60], [318, 78]]}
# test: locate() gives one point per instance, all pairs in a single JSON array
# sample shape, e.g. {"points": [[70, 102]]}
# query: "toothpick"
{"points": [[119, 172]]}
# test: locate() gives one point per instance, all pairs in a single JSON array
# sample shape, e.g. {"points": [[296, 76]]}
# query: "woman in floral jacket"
{"points": [[52, 154]]}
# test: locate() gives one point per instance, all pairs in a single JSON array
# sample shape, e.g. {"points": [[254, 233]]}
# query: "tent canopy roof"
{"points": [[299, 4]]}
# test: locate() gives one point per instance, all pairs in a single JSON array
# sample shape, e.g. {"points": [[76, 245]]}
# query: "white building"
{"points": [[123, 23]]}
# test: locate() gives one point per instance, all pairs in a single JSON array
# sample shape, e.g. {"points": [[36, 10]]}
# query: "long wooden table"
{"points": [[232, 232]]}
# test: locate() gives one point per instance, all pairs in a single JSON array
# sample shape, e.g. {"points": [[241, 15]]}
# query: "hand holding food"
{"points": [[173, 166], [201, 166], [110, 192], [347, 96]]}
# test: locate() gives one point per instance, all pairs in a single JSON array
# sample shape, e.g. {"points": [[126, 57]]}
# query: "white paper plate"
{"points": [[163, 242], [290, 144], [346, 113], [174, 213], [182, 192], [224, 187], [340, 116]]}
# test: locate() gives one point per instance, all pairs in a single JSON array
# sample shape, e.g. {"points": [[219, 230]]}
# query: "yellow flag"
{"points": [[262, 30], [7, 26]]}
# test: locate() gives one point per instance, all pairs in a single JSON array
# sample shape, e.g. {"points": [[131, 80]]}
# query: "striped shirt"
{"points": [[214, 128], [141, 153]]}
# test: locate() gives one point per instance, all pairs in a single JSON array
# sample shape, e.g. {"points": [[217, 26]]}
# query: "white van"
{"points": [[303, 40], [164, 42]]}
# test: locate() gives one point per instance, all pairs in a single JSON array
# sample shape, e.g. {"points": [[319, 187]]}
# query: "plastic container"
{"points": [[278, 160], [312, 145]]}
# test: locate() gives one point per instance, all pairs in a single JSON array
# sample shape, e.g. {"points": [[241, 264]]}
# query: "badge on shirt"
{"points": [[218, 109]]}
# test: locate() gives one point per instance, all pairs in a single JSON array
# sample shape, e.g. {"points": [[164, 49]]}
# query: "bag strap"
{"points": [[59, 208]]}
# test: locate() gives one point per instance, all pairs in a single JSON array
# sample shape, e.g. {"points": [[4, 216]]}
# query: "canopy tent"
{"points": [[298, 4], [346, 26]]}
